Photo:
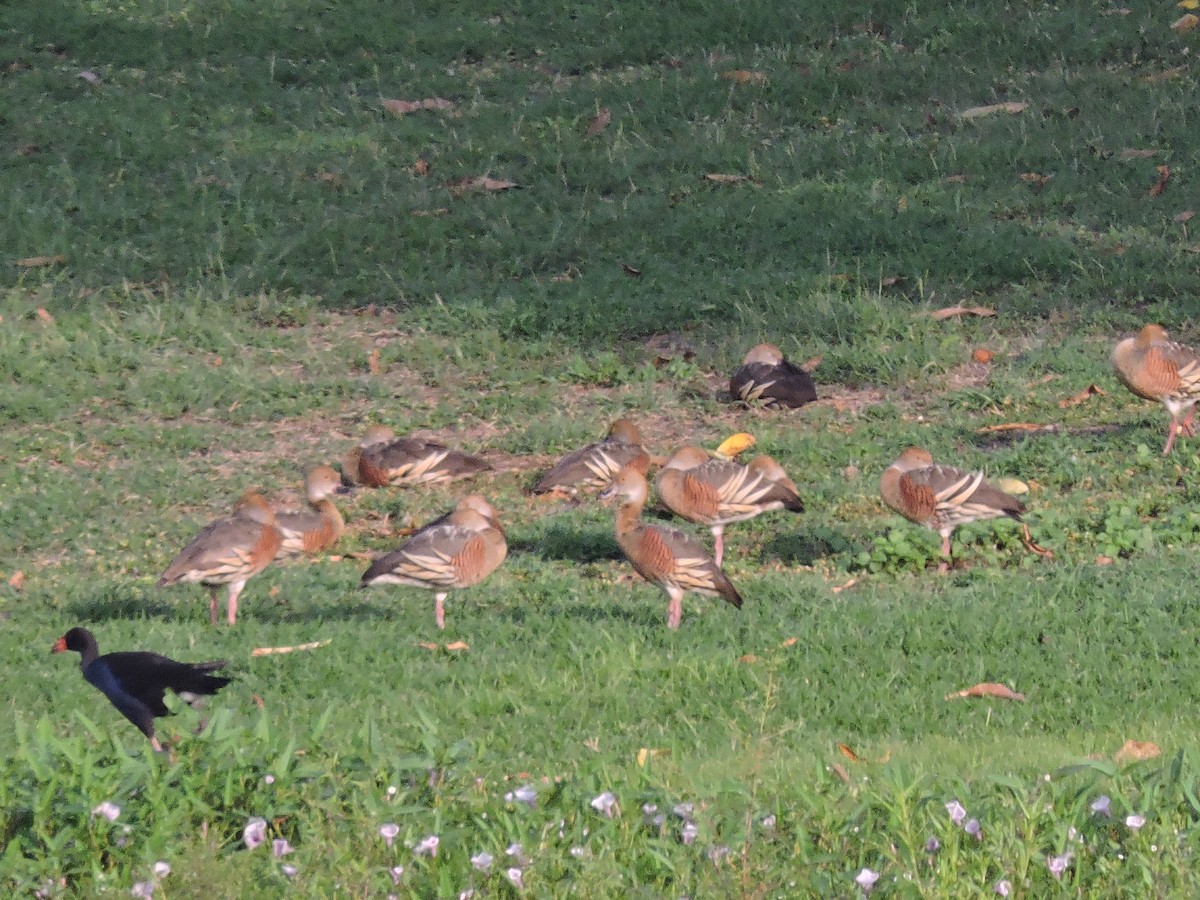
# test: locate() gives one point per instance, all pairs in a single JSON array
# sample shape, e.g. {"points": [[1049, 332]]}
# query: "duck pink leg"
{"points": [[212, 605], [439, 609], [718, 544], [231, 611], [944, 565], [1171, 435], [156, 745], [674, 608]]}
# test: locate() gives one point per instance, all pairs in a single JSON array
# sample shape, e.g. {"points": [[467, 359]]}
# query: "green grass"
{"points": [[242, 228]]}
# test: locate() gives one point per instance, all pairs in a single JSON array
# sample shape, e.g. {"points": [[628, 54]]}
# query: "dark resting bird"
{"points": [[596, 464], [135, 681], [381, 459], [766, 377]]}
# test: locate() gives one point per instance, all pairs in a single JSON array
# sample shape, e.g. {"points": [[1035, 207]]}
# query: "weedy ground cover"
{"points": [[224, 257]]}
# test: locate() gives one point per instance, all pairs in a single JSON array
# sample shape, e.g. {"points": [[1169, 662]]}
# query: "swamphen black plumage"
{"points": [[136, 681]]}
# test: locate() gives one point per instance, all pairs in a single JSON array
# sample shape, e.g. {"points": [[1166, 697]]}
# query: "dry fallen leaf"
{"points": [[1184, 217], [789, 642], [1137, 154], [258, 701], [955, 179], [44, 315], [89, 76], [840, 771], [1104, 560], [1188, 4], [215, 361], [982, 355], [420, 168], [373, 362], [631, 271], [1185, 23], [17, 581], [1036, 179], [1012, 107], [1164, 175], [951, 311], [403, 107], [848, 753], [429, 645], [480, 183], [37, 262], [1091, 390], [745, 76], [1017, 426], [268, 651], [458, 645], [748, 658], [1135, 751], [988, 689], [599, 122], [719, 178], [645, 754], [838, 588]]}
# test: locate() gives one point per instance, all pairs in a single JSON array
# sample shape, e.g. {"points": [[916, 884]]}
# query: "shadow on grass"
{"points": [[998, 440], [582, 545], [803, 548], [110, 602]]}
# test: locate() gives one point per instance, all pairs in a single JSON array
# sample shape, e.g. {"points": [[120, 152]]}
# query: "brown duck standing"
{"points": [[1159, 369], [714, 492], [766, 377], [942, 497], [318, 527], [229, 551], [456, 551], [381, 459], [664, 556], [596, 464], [135, 681]]}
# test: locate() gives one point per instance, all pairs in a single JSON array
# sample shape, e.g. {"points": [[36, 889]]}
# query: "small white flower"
{"points": [[1003, 887], [388, 832], [1073, 834], [1101, 805], [716, 854], [578, 852], [866, 879], [768, 822], [684, 810], [396, 872], [524, 794], [268, 779], [482, 861], [514, 875], [289, 871], [255, 832], [606, 803], [648, 810], [688, 833], [468, 894], [973, 829], [427, 847], [110, 811], [162, 869], [957, 813], [281, 848], [1135, 821], [1058, 864], [142, 889]]}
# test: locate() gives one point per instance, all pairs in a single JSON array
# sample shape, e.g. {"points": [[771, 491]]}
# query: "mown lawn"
{"points": [[246, 259]]}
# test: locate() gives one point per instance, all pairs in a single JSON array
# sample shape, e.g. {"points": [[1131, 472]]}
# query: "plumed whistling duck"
{"points": [[456, 551], [229, 551], [664, 556], [714, 492], [318, 527], [1156, 368], [766, 377], [596, 464], [381, 459]]}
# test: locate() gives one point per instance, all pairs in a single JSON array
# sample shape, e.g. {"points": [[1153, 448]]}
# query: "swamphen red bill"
{"points": [[136, 681]]}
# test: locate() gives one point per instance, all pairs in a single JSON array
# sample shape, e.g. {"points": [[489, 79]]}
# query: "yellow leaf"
{"points": [[1188, 4]]}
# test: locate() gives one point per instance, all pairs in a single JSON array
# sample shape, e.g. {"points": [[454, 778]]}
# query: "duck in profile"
{"points": [[715, 491], [674, 561], [767, 377], [229, 551], [595, 465], [943, 497], [136, 681], [453, 552], [318, 527]]}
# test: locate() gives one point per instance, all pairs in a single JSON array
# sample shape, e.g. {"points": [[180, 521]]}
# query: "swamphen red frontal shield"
{"points": [[136, 681]]}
